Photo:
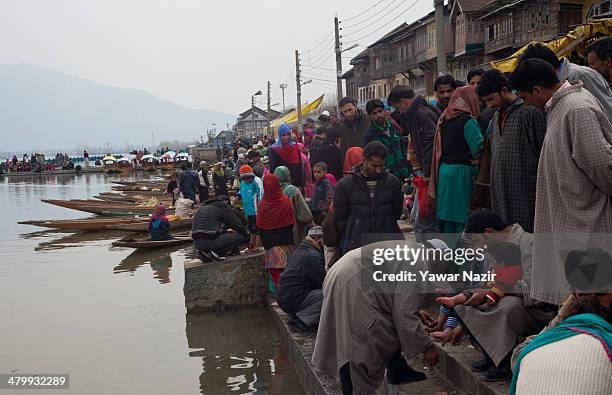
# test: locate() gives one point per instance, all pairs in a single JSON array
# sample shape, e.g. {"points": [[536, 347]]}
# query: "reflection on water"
{"points": [[91, 312], [238, 350], [160, 261], [70, 239]]}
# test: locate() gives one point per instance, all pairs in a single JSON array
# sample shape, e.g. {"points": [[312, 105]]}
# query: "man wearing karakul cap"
{"points": [[299, 291]]}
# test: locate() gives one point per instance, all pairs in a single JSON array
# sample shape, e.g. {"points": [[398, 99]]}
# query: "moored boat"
{"points": [[149, 162], [144, 227], [125, 164], [182, 158], [109, 164], [146, 243], [167, 160], [86, 224]]}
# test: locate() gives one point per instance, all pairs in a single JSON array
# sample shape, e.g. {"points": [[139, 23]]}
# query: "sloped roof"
{"points": [[273, 113]]}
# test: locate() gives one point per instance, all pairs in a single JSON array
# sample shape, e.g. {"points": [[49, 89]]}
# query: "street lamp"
{"points": [[258, 93]]}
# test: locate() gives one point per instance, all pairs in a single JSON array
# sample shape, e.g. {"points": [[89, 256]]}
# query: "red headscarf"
{"points": [[274, 210], [352, 158]]}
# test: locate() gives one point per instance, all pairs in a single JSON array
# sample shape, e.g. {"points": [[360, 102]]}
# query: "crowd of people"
{"points": [[520, 162]]}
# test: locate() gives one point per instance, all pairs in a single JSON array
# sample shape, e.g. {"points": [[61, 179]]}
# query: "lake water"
{"points": [[115, 319]]}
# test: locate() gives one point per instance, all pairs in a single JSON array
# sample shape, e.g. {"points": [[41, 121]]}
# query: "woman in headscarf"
{"points": [[301, 211], [331, 234], [275, 222], [308, 182], [286, 153], [219, 180], [353, 157], [159, 227], [457, 147]]}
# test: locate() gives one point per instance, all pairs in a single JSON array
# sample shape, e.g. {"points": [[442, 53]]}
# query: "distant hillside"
{"points": [[43, 109]]}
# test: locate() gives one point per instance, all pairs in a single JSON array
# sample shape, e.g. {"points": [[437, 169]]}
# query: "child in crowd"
{"points": [[508, 270], [323, 193], [171, 187], [250, 195]]}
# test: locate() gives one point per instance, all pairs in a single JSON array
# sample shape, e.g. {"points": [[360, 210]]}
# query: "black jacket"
{"points": [[356, 215], [305, 272], [213, 218], [351, 133], [420, 121], [329, 153]]}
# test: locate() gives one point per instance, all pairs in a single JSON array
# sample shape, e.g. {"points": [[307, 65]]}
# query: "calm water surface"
{"points": [[115, 319]]}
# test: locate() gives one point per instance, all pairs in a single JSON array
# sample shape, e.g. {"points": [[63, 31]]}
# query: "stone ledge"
{"points": [[455, 367], [301, 346], [237, 282]]}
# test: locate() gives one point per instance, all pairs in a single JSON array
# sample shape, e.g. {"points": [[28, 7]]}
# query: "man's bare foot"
{"points": [[448, 302], [442, 336]]}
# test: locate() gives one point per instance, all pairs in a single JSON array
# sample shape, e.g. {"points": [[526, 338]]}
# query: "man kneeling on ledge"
{"points": [[209, 231], [299, 292]]}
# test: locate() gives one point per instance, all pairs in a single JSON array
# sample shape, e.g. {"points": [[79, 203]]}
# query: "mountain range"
{"points": [[44, 109]]}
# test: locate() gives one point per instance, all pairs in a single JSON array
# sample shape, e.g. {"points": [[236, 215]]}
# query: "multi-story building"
{"points": [[469, 36], [253, 121], [511, 25], [476, 32]]}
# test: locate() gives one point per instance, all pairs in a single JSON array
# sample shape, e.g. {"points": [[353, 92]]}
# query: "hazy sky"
{"points": [[199, 54]]}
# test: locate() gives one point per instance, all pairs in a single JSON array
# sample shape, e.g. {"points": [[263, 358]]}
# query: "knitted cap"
{"points": [[246, 171]]}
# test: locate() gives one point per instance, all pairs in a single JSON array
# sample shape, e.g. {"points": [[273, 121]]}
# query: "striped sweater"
{"points": [[211, 218]]}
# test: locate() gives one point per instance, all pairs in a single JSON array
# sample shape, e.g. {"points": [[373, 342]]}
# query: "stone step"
{"points": [[300, 348]]}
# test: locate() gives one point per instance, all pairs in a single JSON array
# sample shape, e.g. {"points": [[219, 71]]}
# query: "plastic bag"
{"points": [[422, 186]]}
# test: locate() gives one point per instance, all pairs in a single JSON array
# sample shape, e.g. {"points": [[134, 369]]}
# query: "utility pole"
{"points": [[298, 87], [283, 87], [440, 40], [338, 59], [269, 114], [252, 116]]}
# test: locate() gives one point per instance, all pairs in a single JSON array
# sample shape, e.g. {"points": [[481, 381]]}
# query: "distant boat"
{"points": [[149, 162], [182, 158], [124, 164], [109, 164], [167, 160]]}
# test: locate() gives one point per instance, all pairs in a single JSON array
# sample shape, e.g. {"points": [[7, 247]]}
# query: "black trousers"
{"points": [[220, 245], [203, 193], [396, 364]]}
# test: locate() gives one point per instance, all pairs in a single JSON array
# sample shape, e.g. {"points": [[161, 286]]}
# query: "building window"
{"points": [[377, 63]]}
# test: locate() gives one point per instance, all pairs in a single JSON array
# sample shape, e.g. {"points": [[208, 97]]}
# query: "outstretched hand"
{"points": [[427, 319]]}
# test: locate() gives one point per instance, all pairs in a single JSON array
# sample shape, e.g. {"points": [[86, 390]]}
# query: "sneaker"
{"points": [[204, 256], [497, 374], [482, 365], [405, 376], [297, 325], [216, 256]]}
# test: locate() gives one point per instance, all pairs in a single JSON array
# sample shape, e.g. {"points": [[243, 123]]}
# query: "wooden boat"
{"points": [[109, 164], [86, 224], [167, 160], [182, 158], [105, 208], [144, 227], [124, 165], [146, 243], [149, 162]]}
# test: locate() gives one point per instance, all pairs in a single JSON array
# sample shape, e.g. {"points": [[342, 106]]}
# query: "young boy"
{"points": [[250, 196], [508, 270], [323, 193]]}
